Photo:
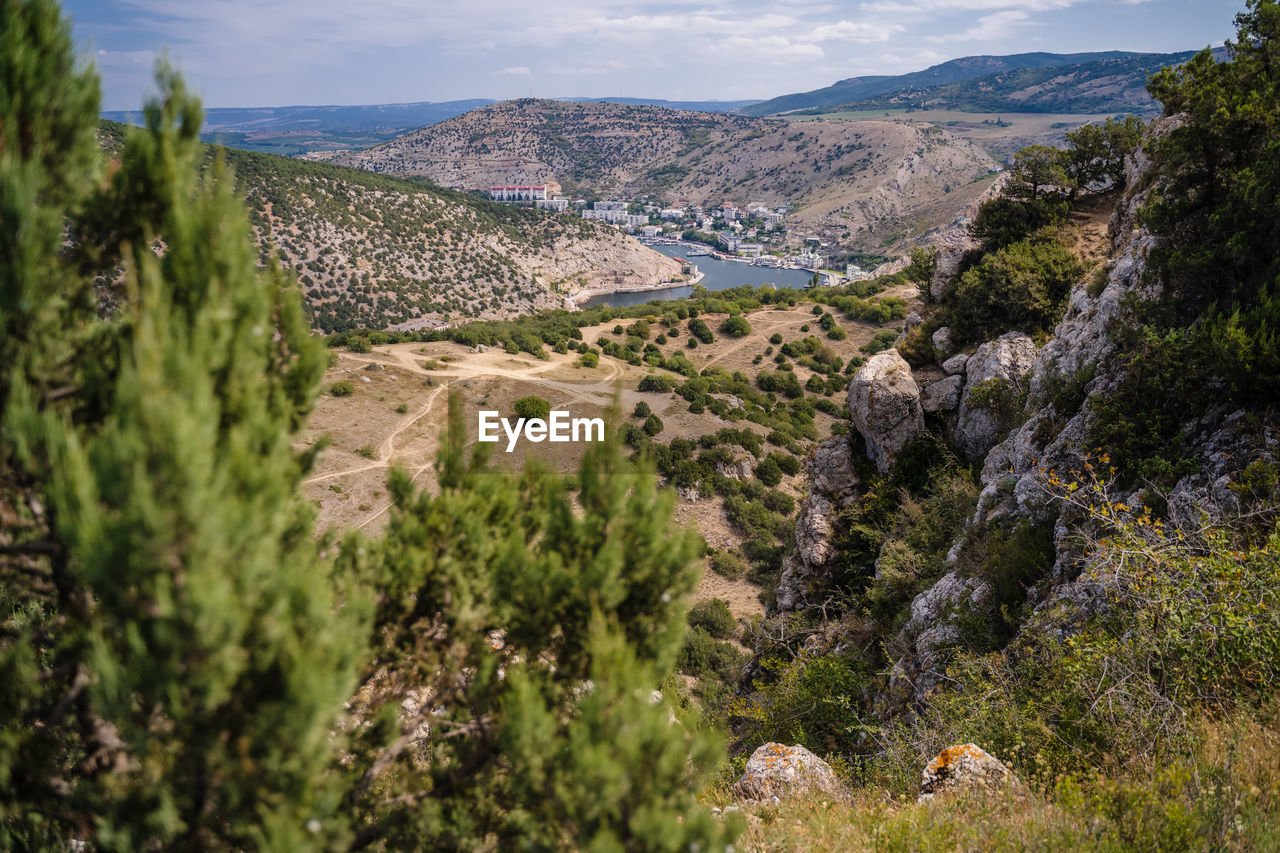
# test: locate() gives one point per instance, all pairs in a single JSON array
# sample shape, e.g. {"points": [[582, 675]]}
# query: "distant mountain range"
{"points": [[297, 130], [1112, 81], [1082, 83]]}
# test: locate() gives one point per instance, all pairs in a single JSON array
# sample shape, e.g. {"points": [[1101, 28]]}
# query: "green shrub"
{"points": [[712, 615], [588, 359], [728, 564], [641, 410], [342, 388], [1022, 287], [768, 471], [359, 344], [736, 326], [880, 342], [699, 329], [652, 425], [703, 655], [532, 407]]}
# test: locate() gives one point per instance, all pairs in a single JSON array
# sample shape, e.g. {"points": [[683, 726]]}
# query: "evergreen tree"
{"points": [[529, 634], [180, 668], [174, 658]]}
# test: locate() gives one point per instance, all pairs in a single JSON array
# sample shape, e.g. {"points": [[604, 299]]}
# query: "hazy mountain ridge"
{"points": [[856, 181], [954, 71], [1116, 84]]}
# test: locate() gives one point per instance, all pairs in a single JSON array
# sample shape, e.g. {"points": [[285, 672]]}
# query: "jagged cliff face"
{"points": [[1026, 413]]}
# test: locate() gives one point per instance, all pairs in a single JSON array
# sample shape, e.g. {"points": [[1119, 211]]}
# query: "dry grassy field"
{"points": [[397, 413]]}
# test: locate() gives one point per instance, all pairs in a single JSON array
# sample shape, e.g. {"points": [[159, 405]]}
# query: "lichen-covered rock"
{"points": [[884, 401], [941, 396], [942, 340], [995, 378], [964, 769], [785, 772]]}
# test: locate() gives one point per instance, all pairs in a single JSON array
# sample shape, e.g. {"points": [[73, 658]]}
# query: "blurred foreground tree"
{"points": [[180, 666]]}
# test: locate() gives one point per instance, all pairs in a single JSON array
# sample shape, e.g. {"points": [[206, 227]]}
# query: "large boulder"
{"points": [[780, 772], [884, 401], [955, 365], [966, 768], [994, 388]]}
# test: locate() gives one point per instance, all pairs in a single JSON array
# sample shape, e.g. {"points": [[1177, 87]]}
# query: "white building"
{"points": [[559, 205], [773, 220], [518, 193], [637, 220], [651, 230], [613, 217], [610, 205], [671, 213]]}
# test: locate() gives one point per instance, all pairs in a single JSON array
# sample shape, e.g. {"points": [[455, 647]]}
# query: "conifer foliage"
{"points": [[181, 665]]}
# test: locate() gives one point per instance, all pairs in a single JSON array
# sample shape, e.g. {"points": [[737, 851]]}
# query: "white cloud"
{"points": [[861, 32], [515, 71], [999, 25]]}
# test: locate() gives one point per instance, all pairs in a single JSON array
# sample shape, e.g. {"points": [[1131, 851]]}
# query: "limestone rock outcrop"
{"points": [[780, 772], [833, 485], [966, 768], [884, 401], [941, 396], [945, 270], [995, 379]]}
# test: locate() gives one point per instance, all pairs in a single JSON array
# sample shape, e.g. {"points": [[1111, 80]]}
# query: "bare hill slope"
{"points": [[864, 183]]}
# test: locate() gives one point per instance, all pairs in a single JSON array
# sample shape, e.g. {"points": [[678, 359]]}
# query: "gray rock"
{"points": [[945, 271], [941, 396], [884, 401], [999, 370], [787, 772], [912, 321], [814, 532], [830, 469], [955, 364], [929, 635], [942, 340], [741, 467]]}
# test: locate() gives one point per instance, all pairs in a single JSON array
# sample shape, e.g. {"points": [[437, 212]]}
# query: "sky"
{"points": [[247, 53]]}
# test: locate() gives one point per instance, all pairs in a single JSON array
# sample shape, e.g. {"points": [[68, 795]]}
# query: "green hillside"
{"points": [[954, 71]]}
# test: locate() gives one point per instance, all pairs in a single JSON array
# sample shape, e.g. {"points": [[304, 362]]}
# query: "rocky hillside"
{"points": [[377, 252], [866, 184], [1028, 414]]}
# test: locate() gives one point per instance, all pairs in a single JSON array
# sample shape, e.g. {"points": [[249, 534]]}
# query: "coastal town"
{"points": [[754, 234]]}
